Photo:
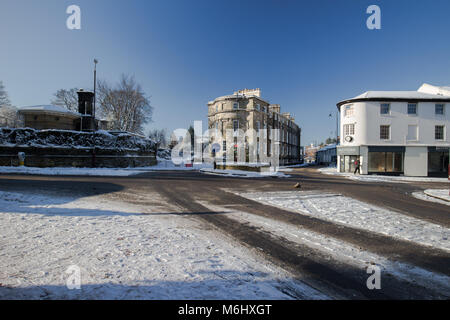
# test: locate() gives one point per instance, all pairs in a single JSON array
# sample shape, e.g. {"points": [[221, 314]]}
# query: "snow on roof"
{"points": [[428, 88], [328, 147], [397, 95], [47, 108]]}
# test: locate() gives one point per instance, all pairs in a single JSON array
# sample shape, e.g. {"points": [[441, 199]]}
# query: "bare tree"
{"points": [[4, 98], [125, 106], [8, 114], [67, 99], [159, 136]]}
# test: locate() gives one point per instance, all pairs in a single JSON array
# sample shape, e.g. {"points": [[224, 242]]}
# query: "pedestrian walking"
{"points": [[357, 167]]}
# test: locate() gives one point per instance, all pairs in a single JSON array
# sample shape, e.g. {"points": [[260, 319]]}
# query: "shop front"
{"points": [[438, 161], [386, 160], [347, 158]]}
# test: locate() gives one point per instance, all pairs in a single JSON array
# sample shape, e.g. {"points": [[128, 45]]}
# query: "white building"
{"points": [[396, 132]]}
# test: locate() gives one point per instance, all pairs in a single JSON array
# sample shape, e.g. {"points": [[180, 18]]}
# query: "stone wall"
{"points": [[59, 148], [81, 158]]}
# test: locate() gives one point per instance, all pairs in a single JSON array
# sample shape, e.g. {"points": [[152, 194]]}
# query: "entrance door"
{"points": [[438, 164], [348, 163]]}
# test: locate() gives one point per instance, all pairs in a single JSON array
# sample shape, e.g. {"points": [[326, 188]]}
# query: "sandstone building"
{"points": [[245, 110]]}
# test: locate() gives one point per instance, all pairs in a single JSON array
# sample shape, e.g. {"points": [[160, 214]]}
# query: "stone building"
{"points": [[48, 117], [245, 110]]}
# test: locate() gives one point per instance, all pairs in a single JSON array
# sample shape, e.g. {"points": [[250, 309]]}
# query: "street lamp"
{"points": [[337, 125], [95, 88]]}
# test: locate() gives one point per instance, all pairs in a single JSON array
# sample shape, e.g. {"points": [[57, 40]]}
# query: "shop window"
{"points": [[386, 162]]}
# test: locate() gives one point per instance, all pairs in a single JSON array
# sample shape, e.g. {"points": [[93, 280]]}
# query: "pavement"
{"points": [[193, 193]]}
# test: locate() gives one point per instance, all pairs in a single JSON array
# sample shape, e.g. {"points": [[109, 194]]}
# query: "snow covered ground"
{"points": [[126, 251], [112, 172], [56, 171], [245, 174], [443, 194], [377, 178], [357, 214], [434, 195], [342, 251]]}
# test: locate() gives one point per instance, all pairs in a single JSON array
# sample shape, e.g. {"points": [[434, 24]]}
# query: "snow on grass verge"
{"points": [[357, 214], [57, 171], [164, 164], [341, 251], [377, 178], [126, 251], [245, 174]]}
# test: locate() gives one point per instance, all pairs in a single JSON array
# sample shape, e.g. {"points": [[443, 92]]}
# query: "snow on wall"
{"points": [[27, 137]]}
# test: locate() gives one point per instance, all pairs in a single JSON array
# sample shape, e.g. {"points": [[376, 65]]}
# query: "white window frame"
{"points": [[389, 132], [410, 104], [417, 133], [235, 128], [443, 133], [347, 108], [443, 109], [349, 129], [389, 109]]}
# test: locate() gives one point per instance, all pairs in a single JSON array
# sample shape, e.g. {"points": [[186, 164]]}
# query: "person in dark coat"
{"points": [[357, 165]]}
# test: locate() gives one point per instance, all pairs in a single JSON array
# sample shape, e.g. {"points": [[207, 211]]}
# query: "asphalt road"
{"points": [[189, 191]]}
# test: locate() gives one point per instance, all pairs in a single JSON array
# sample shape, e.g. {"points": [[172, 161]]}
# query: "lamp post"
{"points": [[95, 88], [337, 125]]}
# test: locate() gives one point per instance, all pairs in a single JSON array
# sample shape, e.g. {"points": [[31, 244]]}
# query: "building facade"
{"points": [[396, 132], [48, 117], [327, 155], [245, 110]]}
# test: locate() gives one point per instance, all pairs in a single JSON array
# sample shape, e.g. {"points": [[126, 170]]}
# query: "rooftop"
{"points": [[425, 93], [48, 109]]}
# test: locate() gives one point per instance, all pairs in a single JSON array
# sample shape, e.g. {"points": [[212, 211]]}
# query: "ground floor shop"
{"points": [[421, 161]]}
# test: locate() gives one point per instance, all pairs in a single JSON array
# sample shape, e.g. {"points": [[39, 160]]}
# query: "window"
{"points": [[217, 108], [385, 132], [257, 107], [263, 109], [235, 105], [349, 129], [412, 133], [439, 109], [386, 162], [223, 104], [385, 108], [348, 111], [258, 125], [235, 125], [439, 132], [412, 108]]}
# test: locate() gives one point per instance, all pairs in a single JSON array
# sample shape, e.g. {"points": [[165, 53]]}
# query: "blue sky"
{"points": [[304, 55]]}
